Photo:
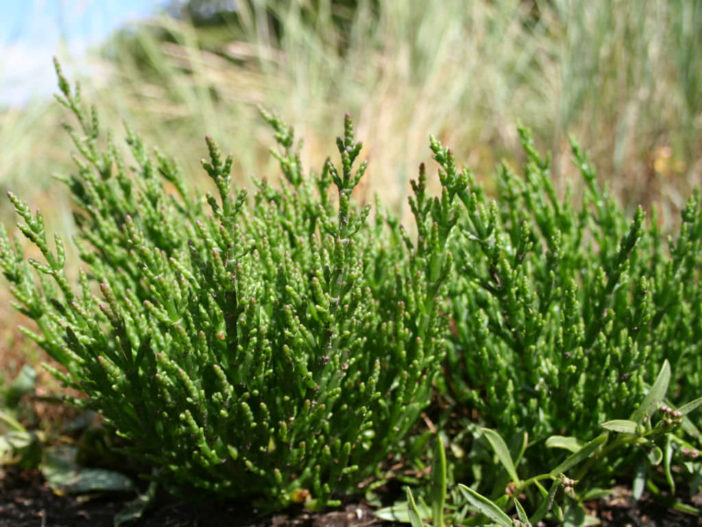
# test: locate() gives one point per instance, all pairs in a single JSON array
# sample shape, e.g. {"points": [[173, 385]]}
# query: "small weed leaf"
{"points": [[639, 482], [655, 395], [567, 443], [521, 513], [65, 476], [415, 518], [500, 447], [691, 406], [546, 503], [485, 506], [579, 456], [622, 426], [21, 385], [438, 483]]}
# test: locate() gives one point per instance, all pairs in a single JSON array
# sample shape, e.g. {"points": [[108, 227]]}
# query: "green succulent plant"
{"points": [[275, 348]]}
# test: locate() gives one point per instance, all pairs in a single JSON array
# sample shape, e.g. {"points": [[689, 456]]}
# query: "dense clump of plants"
{"points": [[564, 310], [276, 348], [575, 352], [279, 347]]}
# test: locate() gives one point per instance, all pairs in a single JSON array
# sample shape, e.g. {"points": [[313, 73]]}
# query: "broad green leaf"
{"points": [[65, 476], [485, 506], [622, 426], [654, 396], [412, 511], [639, 482], [567, 443], [438, 483], [579, 456], [500, 448], [97, 480], [689, 407]]}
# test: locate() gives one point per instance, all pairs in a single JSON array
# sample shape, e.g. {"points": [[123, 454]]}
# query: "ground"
{"points": [[27, 501]]}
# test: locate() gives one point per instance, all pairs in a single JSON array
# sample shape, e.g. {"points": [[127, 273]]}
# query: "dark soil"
{"points": [[27, 501], [621, 510]]}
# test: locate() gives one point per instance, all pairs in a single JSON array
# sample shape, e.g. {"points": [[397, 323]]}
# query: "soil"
{"points": [[620, 509], [27, 501]]}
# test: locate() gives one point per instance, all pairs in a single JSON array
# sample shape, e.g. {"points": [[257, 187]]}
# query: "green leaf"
{"points": [[655, 456], [14, 442], [97, 480], [22, 448], [667, 457], [500, 447], [573, 515], [485, 506], [438, 483], [689, 407], [136, 508], [546, 503], [622, 426], [558, 512], [21, 385], [65, 476], [521, 513], [595, 493], [579, 456], [689, 427], [518, 445], [639, 482], [567, 443], [399, 512], [10, 421], [412, 511], [654, 396]]}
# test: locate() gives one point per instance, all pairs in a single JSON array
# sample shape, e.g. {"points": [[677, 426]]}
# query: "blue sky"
{"points": [[33, 31]]}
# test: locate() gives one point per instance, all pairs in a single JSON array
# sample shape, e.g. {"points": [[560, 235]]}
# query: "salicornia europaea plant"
{"points": [[564, 310], [276, 348]]}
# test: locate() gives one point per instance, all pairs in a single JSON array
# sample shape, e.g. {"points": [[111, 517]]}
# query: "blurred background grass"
{"points": [[622, 76]]}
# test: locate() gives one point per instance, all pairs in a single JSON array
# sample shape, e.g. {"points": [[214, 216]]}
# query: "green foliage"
{"points": [[275, 349], [528, 498], [564, 310], [18, 445], [279, 348], [561, 303]]}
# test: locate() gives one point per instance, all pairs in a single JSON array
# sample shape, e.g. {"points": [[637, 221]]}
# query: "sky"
{"points": [[33, 31]]}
